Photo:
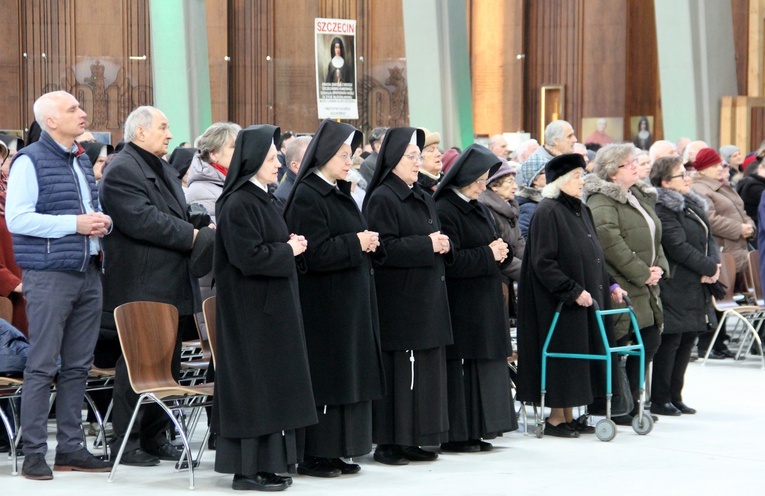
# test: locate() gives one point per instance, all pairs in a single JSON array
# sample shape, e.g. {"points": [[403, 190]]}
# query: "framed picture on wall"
{"points": [[601, 130], [552, 103], [641, 131]]}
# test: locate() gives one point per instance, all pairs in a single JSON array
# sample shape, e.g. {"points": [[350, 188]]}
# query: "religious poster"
{"points": [[641, 131], [601, 130], [336, 69]]}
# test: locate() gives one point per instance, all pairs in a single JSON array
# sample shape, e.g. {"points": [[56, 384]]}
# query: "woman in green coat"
{"points": [[630, 235]]}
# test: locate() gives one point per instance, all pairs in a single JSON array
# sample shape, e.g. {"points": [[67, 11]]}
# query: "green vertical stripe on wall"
{"points": [[180, 70]]}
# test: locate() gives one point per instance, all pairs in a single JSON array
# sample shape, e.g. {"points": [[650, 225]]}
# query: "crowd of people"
{"points": [[365, 294]]}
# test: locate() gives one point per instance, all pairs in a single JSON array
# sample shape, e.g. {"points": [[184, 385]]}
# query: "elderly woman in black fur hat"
{"points": [[479, 404], [563, 261]]}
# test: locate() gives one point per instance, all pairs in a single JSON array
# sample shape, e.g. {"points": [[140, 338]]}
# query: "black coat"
{"points": [[692, 252], [562, 258], [262, 380], [474, 282], [337, 295], [750, 190], [410, 277], [146, 256]]}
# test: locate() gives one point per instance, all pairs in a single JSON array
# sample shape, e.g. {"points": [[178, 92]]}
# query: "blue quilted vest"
{"points": [[59, 194]]}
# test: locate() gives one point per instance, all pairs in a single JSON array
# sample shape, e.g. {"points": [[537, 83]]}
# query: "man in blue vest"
{"points": [[53, 212]]}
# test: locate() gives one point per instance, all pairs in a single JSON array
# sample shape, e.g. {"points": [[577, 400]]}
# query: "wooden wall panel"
{"points": [[217, 53], [57, 45], [740, 11], [251, 42], [553, 48], [12, 96], [604, 53], [643, 92], [294, 65], [496, 38]]}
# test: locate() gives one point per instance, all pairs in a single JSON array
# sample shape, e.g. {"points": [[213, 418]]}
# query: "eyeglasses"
{"points": [[481, 182], [684, 175], [509, 180], [631, 164], [344, 156], [414, 157]]}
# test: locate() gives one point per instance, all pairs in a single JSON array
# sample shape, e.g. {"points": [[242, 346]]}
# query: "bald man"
{"points": [[53, 211], [498, 146]]}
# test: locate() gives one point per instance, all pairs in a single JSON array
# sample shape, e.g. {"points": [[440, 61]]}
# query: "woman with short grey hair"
{"points": [[630, 235], [208, 170]]}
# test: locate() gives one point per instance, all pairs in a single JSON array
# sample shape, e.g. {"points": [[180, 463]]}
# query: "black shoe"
{"points": [[36, 468], [317, 467], [80, 461], [482, 445], [390, 454], [665, 409], [726, 353], [138, 458], [581, 428], [344, 467], [211, 441], [166, 452], [716, 355], [460, 447], [417, 454], [560, 430], [262, 481], [684, 409]]}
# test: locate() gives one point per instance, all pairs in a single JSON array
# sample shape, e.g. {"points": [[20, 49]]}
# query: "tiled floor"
{"points": [[719, 451]]}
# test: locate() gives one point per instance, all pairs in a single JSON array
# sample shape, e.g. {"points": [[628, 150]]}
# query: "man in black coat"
{"points": [[146, 259]]}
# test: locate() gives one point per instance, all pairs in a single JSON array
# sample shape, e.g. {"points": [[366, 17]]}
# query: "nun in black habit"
{"points": [[337, 295], [263, 395], [414, 309], [480, 405]]}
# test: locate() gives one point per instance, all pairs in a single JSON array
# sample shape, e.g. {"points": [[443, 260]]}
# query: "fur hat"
{"points": [[563, 164]]}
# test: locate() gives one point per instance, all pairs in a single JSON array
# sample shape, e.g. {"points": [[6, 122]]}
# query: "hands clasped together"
{"points": [[93, 225]]}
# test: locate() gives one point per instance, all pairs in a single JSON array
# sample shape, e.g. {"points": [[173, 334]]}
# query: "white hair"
{"points": [[522, 150], [654, 150], [552, 190], [46, 106], [140, 117], [555, 130]]}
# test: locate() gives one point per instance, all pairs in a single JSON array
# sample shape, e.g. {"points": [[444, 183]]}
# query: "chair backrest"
{"points": [[727, 277], [6, 309], [754, 273], [147, 332], [209, 311]]}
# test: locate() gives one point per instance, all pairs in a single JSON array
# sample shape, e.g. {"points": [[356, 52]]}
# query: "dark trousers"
{"points": [[669, 365], [149, 428], [651, 341], [64, 309]]}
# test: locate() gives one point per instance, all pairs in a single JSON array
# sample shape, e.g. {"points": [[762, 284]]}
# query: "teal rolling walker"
{"points": [[606, 428]]}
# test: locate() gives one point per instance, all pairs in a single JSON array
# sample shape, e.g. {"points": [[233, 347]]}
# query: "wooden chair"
{"points": [[10, 388], [6, 309], [747, 315], [209, 310], [147, 333]]}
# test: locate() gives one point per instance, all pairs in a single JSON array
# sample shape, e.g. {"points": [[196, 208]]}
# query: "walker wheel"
{"points": [[605, 430], [643, 427], [540, 431]]}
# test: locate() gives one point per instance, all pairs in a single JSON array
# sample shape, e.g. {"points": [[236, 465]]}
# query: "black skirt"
{"points": [[415, 416], [276, 453], [343, 431], [480, 401]]}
